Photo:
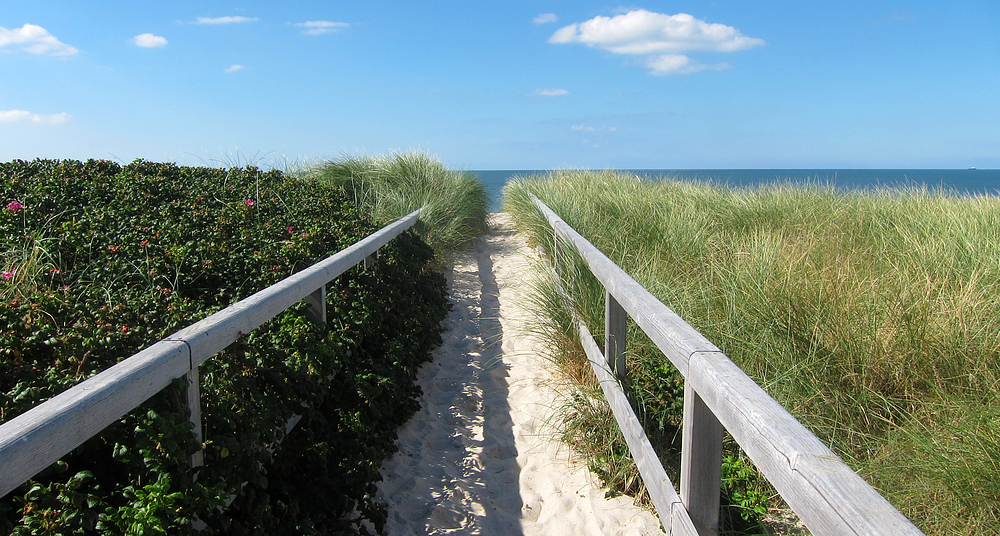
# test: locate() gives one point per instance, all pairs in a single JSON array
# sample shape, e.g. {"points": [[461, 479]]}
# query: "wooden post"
{"points": [[614, 337], [194, 404], [371, 260], [316, 306], [701, 463], [673, 516]]}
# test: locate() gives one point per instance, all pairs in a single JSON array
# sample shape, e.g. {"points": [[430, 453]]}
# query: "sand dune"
{"points": [[479, 458]]}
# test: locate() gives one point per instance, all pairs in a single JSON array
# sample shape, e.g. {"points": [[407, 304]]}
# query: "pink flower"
{"points": [[303, 234], [14, 206], [289, 228], [9, 275], [248, 202]]}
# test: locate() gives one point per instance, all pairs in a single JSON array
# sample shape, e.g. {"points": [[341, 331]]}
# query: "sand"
{"points": [[481, 457]]}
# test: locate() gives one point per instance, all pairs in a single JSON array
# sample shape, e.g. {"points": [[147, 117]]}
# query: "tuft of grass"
{"points": [[874, 316], [389, 187], [25, 268]]}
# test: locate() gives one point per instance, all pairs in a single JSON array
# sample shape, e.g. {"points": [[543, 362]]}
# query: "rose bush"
{"points": [[104, 260]]}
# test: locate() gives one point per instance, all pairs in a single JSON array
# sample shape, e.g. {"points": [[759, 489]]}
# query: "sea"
{"points": [[957, 181]]}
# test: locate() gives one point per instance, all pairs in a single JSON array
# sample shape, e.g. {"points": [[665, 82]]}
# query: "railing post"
{"points": [[371, 260], [316, 306], [193, 395], [701, 463], [614, 336]]}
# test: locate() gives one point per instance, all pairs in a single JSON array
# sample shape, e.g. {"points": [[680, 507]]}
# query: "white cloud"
{"points": [[224, 20], [680, 64], [549, 92], [234, 68], [22, 116], [319, 27], [545, 18], [148, 40], [642, 32], [588, 128], [35, 40]]}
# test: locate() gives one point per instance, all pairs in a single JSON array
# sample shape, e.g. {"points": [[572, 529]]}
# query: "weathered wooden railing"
{"points": [[35, 439], [827, 495]]}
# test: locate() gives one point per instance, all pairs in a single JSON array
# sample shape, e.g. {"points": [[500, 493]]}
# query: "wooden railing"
{"points": [[829, 497], [35, 439]]}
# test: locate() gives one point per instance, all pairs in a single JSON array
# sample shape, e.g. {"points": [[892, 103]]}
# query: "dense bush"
{"points": [[101, 260]]}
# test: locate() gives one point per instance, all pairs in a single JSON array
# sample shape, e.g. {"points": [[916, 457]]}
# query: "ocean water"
{"points": [[959, 181]]}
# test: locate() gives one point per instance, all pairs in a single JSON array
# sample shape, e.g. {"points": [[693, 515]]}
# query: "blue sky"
{"points": [[506, 85]]}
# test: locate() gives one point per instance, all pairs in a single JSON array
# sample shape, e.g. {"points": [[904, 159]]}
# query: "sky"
{"points": [[547, 84]]}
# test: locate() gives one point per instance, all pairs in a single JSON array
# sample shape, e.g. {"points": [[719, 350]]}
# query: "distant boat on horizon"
{"points": [[972, 168]]}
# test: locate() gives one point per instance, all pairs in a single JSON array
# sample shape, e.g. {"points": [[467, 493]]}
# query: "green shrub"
{"points": [[104, 260]]}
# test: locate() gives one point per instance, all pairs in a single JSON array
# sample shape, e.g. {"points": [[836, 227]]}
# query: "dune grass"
{"points": [[873, 317], [389, 187]]}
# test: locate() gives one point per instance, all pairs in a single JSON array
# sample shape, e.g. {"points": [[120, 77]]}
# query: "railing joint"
{"points": [[190, 352]]}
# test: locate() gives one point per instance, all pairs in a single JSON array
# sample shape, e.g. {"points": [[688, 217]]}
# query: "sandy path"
{"points": [[479, 457]]}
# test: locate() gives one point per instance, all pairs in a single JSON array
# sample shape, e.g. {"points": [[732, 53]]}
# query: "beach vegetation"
{"points": [[872, 316], [388, 187], [100, 260]]}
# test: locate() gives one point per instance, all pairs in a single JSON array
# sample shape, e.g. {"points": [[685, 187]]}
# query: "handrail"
{"points": [[829, 497], [38, 437]]}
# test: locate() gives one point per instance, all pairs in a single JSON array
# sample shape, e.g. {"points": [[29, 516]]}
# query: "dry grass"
{"points": [[874, 317], [389, 187]]}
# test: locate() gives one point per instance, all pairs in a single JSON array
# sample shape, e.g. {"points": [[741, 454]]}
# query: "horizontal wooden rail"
{"points": [[828, 496], [667, 503], [38, 437]]}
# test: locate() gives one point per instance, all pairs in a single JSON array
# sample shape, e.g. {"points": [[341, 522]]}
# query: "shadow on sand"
{"points": [[456, 470]]}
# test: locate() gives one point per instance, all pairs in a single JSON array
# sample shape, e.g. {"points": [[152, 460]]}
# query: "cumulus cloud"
{"points": [[148, 40], [233, 68], [224, 20], [549, 92], [663, 38], [545, 18], [644, 32], [319, 27], [22, 116], [35, 40]]}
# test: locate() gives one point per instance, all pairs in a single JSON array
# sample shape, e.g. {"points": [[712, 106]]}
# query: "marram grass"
{"points": [[390, 187], [873, 317]]}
